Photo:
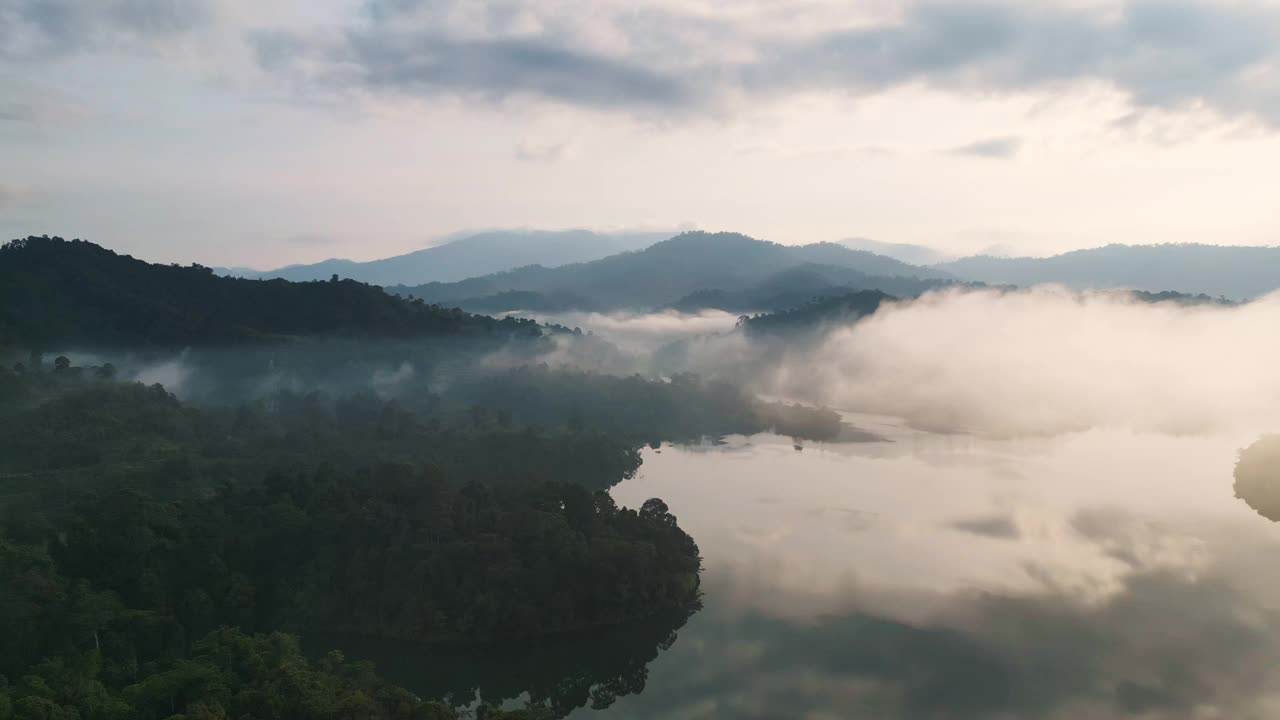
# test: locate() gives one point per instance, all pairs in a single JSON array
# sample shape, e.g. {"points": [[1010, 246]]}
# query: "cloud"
{"points": [[1161, 55], [674, 61], [1164, 646], [1165, 55], [41, 28], [1040, 361], [428, 64], [996, 148]]}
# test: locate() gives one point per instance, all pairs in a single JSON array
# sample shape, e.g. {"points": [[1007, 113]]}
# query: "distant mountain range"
{"points": [[727, 268], [553, 271], [469, 256], [1237, 273]]}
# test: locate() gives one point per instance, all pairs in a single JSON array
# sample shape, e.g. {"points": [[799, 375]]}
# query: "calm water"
{"points": [[1100, 575]]}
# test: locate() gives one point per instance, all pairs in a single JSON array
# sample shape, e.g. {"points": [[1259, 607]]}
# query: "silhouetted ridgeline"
{"points": [[59, 293], [665, 273]]}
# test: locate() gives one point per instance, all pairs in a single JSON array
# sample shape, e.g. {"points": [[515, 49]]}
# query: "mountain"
{"points": [[907, 253], [1234, 272], [56, 293], [469, 256], [669, 271]]}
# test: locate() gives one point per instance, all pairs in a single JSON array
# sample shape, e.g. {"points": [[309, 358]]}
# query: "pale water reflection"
{"points": [[1102, 574]]}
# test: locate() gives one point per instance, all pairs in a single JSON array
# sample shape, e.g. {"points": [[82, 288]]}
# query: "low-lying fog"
{"points": [[1039, 361], [1032, 362]]}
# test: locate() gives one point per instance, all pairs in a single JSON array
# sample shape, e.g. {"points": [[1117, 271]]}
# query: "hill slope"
{"points": [[1235, 272], [58, 293], [673, 269], [470, 256]]}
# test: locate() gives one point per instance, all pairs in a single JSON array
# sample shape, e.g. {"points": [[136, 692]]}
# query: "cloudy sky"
{"points": [[251, 133]]}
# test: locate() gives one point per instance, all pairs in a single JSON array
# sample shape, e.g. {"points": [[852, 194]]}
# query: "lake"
{"points": [[1104, 574]]}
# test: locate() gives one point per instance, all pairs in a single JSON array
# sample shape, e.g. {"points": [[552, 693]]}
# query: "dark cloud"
{"points": [[1162, 55], [1168, 55], [995, 148], [1001, 527], [56, 27], [428, 64]]}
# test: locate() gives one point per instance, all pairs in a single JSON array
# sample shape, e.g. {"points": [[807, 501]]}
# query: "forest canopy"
{"points": [[60, 293]]}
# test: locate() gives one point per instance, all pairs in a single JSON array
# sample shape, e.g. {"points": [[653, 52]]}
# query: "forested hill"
{"points": [[697, 261], [56, 292]]}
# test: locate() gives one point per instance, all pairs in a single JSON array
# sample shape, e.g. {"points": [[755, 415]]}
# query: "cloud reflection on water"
{"points": [[1135, 585]]}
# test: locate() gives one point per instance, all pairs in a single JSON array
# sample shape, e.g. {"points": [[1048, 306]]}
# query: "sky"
{"points": [[243, 133]]}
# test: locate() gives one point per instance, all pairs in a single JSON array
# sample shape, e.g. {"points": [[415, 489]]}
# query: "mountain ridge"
{"points": [[1236, 272], [469, 255], [667, 271]]}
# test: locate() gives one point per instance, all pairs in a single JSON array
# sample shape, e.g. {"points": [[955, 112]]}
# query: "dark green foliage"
{"points": [[559, 675], [92, 433], [59, 293], [392, 552], [1181, 298], [105, 587], [816, 315], [685, 408]]}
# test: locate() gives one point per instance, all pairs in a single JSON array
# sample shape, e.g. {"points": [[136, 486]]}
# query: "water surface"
{"points": [[1105, 574]]}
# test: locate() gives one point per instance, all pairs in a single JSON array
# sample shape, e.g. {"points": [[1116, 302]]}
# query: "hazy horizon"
{"points": [[304, 258]]}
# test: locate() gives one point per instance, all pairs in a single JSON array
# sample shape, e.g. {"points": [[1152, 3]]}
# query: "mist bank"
{"points": [[998, 362], [1004, 362], [1039, 361]]}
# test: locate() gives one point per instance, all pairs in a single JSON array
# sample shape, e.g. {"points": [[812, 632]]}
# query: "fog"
{"points": [[1048, 360], [640, 332], [1030, 362], [1042, 361]]}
